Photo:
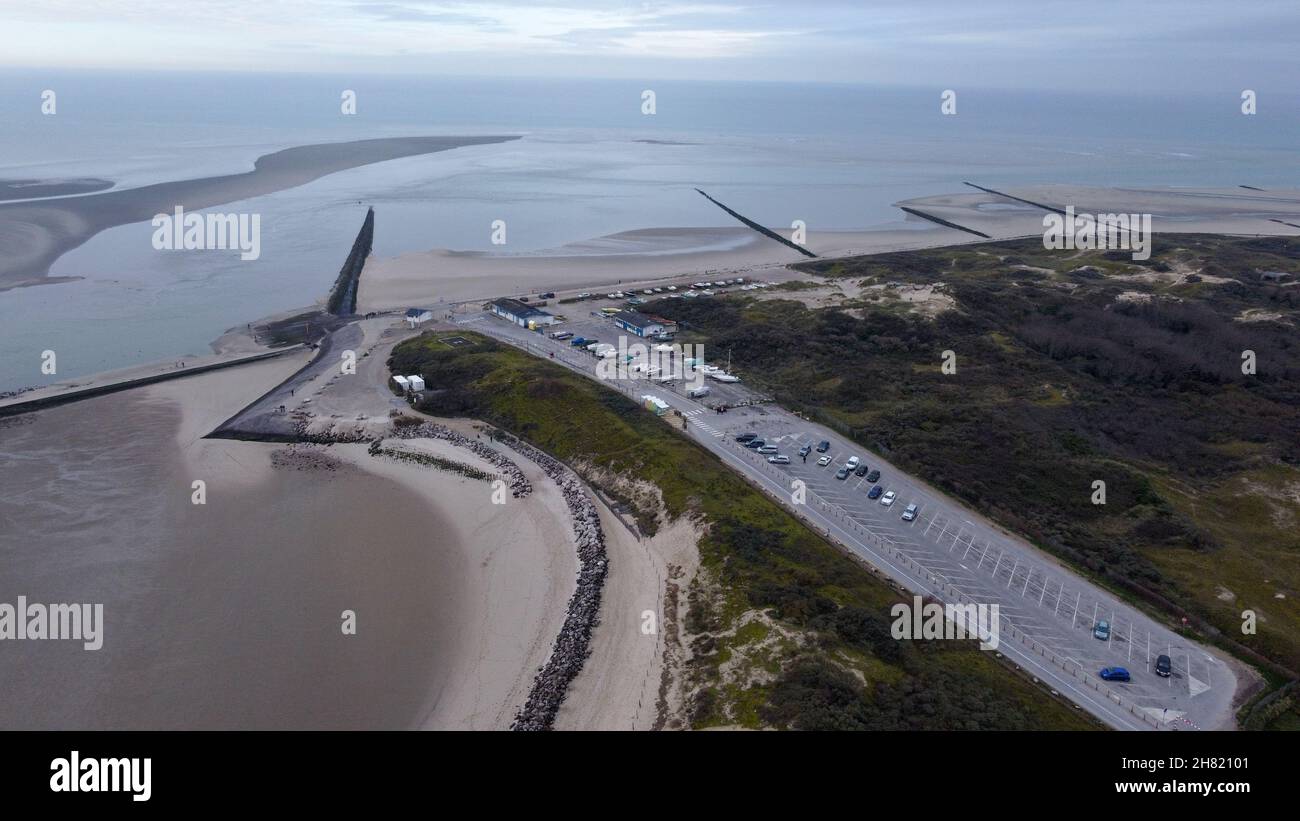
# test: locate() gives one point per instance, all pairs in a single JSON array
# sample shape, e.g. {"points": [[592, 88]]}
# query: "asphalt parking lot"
{"points": [[1047, 612]]}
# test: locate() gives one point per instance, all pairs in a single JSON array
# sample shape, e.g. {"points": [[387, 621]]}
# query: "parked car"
{"points": [[873, 476], [755, 444], [547, 295], [779, 460], [577, 340], [824, 461], [888, 498], [1164, 667], [583, 295], [842, 473], [1101, 630], [1114, 674], [745, 437], [875, 492], [861, 471], [852, 464], [562, 335], [823, 446], [909, 512], [768, 449], [805, 450]]}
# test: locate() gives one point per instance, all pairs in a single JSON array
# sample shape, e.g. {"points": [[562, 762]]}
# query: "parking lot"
{"points": [[1047, 612]]}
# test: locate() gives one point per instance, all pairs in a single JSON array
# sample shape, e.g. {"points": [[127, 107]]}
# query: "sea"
{"points": [[594, 158]]}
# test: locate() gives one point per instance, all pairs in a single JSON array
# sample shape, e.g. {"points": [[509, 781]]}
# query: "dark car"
{"points": [[548, 295], [875, 492], [873, 476], [1164, 667], [861, 471], [576, 341], [823, 446], [745, 437], [755, 444], [1114, 674]]}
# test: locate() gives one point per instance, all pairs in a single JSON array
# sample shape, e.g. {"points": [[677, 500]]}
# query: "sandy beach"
{"points": [[36, 233], [634, 258], [229, 614]]}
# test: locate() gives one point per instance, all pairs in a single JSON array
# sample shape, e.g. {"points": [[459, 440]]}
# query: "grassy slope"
{"points": [[789, 631], [1060, 382]]}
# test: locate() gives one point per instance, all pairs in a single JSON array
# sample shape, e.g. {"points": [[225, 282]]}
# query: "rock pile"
{"points": [[519, 485], [573, 644]]}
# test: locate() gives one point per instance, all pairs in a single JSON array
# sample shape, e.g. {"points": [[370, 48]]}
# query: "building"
{"points": [[414, 316], [517, 312], [638, 323], [402, 382], [654, 404], [416, 382], [669, 326]]}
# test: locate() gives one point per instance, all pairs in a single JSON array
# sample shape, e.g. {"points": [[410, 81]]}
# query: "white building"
{"points": [[415, 316], [402, 382], [416, 382]]}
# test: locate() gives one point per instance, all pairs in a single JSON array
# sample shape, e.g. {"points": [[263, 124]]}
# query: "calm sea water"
{"points": [[590, 163]]}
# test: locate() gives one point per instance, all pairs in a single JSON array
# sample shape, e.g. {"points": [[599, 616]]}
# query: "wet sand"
{"points": [[228, 615], [35, 234]]}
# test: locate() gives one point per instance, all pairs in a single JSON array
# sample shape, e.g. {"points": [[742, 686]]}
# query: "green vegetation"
{"points": [[1073, 368], [785, 629]]}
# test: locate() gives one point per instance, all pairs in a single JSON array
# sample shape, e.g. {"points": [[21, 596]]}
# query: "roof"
{"points": [[516, 308], [636, 320], [414, 312]]}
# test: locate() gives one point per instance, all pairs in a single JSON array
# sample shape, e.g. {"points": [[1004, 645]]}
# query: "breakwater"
{"points": [[343, 298]]}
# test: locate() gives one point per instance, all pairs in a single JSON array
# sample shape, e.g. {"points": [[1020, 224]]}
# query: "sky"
{"points": [[1146, 46]]}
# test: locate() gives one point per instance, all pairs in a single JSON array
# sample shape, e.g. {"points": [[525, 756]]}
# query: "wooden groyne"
{"points": [[343, 299], [760, 229], [943, 222]]}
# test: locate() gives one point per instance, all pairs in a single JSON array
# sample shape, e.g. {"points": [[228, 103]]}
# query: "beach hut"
{"points": [[416, 382]]}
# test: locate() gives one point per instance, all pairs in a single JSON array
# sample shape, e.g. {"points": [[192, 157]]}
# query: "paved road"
{"points": [[955, 555]]}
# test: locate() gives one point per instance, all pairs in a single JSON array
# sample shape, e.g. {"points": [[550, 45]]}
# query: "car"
{"points": [[547, 295], [805, 450], [1164, 667], [875, 492], [1101, 630], [1114, 674], [745, 437], [697, 284], [577, 340], [613, 296], [873, 476], [690, 294], [657, 290], [584, 295], [909, 512], [852, 464], [888, 498], [707, 292], [672, 287], [842, 473], [824, 461], [562, 335], [861, 471], [755, 444], [823, 446], [779, 460], [768, 449]]}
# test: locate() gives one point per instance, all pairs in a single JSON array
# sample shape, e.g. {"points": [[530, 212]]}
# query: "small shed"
{"points": [[416, 381], [402, 382]]}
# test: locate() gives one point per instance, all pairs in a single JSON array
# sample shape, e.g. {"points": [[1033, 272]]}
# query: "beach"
{"points": [[230, 614]]}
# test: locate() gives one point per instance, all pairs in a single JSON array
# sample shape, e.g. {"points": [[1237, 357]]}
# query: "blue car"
{"points": [[578, 341], [875, 492], [1114, 674]]}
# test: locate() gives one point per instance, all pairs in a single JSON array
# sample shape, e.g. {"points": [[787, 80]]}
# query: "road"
{"points": [[1047, 611]]}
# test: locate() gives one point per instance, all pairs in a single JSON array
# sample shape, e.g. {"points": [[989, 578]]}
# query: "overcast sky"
{"points": [[1137, 45]]}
